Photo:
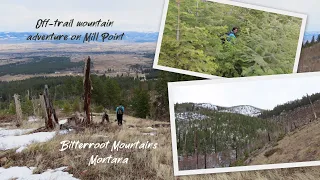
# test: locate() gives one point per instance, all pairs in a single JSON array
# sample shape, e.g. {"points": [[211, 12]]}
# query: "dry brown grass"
{"points": [[298, 146], [143, 164]]}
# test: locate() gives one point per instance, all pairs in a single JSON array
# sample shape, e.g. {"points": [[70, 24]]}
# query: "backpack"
{"points": [[119, 111], [225, 36]]}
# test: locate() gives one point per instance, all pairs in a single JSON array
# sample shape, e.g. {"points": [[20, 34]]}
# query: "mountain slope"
{"points": [[310, 59], [299, 145], [247, 110], [244, 110], [130, 36]]}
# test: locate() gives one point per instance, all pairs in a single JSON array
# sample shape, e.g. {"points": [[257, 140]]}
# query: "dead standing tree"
{"points": [[313, 110], [51, 119], [18, 110], [87, 91]]}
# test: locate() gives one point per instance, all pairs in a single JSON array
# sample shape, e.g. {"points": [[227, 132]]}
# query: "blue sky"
{"points": [[129, 15]]}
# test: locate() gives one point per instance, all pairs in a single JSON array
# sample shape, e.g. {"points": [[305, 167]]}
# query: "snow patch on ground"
{"points": [[13, 132], [10, 142], [20, 149], [24, 173], [150, 134], [33, 119], [63, 121]]}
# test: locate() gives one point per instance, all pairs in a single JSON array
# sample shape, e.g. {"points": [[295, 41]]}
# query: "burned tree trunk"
{"points": [[185, 144], [51, 114], [205, 158], [44, 109], [196, 147], [314, 112], [87, 91], [18, 110]]}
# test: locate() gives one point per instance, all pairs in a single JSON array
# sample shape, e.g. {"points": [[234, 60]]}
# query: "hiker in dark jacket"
{"points": [[119, 112], [232, 34]]}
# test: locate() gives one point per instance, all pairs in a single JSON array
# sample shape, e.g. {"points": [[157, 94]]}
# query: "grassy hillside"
{"points": [[143, 163], [299, 145], [310, 59], [154, 164]]}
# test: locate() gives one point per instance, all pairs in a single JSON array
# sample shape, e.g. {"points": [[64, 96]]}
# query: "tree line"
{"points": [[38, 65], [313, 41], [143, 99], [291, 105]]}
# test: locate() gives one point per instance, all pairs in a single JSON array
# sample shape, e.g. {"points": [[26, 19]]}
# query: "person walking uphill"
{"points": [[119, 112]]}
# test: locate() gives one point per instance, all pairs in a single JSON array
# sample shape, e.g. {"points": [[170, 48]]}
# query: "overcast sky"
{"points": [[265, 94], [309, 7], [129, 15]]}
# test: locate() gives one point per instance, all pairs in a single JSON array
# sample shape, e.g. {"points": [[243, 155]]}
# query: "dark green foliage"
{"points": [[140, 103], [313, 40], [266, 43], [38, 65], [162, 101], [67, 91], [290, 105]]}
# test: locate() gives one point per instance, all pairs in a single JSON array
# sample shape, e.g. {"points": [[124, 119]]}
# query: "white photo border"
{"points": [[176, 170], [239, 4]]}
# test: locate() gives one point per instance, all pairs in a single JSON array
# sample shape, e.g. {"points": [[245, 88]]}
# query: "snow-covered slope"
{"points": [[189, 116], [244, 109], [207, 106], [185, 113]]}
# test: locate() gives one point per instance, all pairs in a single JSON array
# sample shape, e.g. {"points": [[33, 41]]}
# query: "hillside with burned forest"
{"points": [[208, 136]]}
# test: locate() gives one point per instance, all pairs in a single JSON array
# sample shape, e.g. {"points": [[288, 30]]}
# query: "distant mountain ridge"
{"points": [[247, 110], [129, 36]]}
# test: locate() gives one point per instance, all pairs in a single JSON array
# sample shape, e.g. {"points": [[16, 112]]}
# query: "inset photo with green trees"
{"points": [[228, 39]]}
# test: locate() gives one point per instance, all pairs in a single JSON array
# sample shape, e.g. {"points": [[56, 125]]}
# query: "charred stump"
{"points": [[18, 110], [87, 91]]}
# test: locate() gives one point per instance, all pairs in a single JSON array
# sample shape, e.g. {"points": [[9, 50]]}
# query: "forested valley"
{"points": [[38, 65], [209, 138], [265, 44]]}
